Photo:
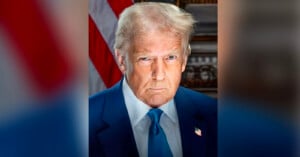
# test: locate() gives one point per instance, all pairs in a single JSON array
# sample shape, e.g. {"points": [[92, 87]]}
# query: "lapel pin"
{"points": [[198, 132]]}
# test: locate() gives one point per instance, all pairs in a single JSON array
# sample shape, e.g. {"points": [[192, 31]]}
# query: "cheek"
{"points": [[131, 71], [178, 74], [177, 70], [177, 78], [138, 78]]}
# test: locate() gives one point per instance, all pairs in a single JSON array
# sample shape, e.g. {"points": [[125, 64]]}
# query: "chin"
{"points": [[157, 101]]}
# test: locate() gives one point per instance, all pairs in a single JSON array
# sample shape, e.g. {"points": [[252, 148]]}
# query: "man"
{"points": [[147, 113]]}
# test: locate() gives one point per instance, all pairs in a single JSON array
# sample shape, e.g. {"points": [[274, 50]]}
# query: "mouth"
{"points": [[157, 89]]}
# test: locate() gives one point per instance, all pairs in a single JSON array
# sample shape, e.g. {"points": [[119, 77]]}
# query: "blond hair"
{"points": [[146, 16]]}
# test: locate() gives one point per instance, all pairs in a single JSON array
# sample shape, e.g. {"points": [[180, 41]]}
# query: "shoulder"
{"points": [[191, 95], [98, 101], [196, 101], [101, 96]]}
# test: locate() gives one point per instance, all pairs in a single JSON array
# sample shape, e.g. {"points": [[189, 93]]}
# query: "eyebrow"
{"points": [[175, 51]]}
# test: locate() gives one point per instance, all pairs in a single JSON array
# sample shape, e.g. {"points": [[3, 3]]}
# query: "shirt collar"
{"points": [[170, 110], [136, 108]]}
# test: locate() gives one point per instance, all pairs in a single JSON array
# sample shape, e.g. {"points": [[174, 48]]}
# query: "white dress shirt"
{"points": [[140, 122]]}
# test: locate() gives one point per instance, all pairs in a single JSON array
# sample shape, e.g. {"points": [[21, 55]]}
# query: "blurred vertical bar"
{"points": [[43, 78], [259, 67]]}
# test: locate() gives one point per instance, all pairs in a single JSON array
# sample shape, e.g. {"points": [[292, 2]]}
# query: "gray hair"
{"points": [[144, 17]]}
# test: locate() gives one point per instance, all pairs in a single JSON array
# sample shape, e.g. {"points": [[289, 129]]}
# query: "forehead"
{"points": [[157, 41]]}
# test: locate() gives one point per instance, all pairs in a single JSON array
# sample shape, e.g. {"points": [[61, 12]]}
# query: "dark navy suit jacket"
{"points": [[111, 135]]}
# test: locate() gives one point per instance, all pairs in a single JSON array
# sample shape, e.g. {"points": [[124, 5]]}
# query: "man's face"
{"points": [[155, 66]]}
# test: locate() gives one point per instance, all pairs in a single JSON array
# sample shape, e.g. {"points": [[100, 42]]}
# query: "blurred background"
{"points": [[43, 78], [50, 49], [258, 51]]}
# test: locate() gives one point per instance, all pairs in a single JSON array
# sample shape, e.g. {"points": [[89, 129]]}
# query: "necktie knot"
{"points": [[154, 115]]}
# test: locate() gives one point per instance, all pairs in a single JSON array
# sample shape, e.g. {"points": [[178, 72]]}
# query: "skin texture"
{"points": [[154, 66]]}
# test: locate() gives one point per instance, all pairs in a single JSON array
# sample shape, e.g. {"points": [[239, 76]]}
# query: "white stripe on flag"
{"points": [[95, 82], [105, 20]]}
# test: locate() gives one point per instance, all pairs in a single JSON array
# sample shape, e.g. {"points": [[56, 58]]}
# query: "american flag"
{"points": [[103, 17]]}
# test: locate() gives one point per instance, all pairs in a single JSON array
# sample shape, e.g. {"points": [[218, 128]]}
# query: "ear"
{"points": [[183, 65], [121, 61]]}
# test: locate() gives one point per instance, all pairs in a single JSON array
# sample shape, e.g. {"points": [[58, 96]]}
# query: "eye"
{"points": [[144, 59], [171, 57]]}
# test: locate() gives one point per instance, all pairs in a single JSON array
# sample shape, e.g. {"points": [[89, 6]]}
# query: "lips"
{"points": [[157, 89]]}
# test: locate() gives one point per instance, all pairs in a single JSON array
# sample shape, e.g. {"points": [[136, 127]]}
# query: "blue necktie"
{"points": [[157, 143]]}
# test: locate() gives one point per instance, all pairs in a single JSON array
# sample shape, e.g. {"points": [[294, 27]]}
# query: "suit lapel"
{"points": [[193, 142], [117, 137]]}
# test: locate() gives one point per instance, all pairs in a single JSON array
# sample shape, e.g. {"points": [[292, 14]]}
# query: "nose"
{"points": [[158, 69]]}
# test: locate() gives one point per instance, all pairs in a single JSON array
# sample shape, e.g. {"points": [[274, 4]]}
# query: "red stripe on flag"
{"points": [[119, 5], [101, 57], [39, 53]]}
